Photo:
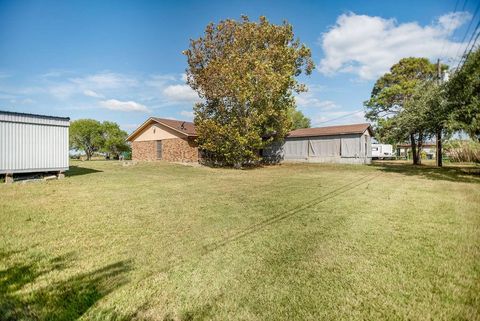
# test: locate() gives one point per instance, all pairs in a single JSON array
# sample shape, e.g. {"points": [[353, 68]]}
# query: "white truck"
{"points": [[382, 151]]}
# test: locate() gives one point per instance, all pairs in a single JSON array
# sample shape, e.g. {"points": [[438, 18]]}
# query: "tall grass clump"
{"points": [[463, 151]]}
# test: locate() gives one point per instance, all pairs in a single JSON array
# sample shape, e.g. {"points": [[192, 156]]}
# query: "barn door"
{"points": [[159, 149]]}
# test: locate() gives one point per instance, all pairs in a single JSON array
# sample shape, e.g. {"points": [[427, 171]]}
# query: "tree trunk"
{"points": [[419, 148], [413, 146], [439, 149]]}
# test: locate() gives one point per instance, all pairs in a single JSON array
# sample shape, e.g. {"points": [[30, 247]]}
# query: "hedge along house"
{"points": [[164, 139], [33, 143], [347, 144]]}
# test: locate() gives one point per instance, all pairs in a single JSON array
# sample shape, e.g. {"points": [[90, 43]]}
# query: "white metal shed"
{"points": [[33, 143]]}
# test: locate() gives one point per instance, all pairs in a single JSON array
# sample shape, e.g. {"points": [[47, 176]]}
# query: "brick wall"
{"points": [[179, 150], [144, 151], [173, 150]]}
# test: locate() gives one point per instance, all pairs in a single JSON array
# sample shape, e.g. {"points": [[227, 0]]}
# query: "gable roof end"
{"points": [[182, 127]]}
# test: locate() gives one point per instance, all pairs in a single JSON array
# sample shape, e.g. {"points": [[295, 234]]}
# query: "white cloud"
{"points": [[188, 114], [368, 46], [105, 80], [337, 118], [114, 104], [70, 89], [159, 81], [310, 99], [180, 93], [62, 91], [92, 93], [451, 21], [306, 101]]}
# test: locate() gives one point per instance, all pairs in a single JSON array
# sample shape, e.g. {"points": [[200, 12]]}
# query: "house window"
{"points": [[159, 149]]}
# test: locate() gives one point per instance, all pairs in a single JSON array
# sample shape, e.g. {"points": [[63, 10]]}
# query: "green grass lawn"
{"points": [[160, 241]]}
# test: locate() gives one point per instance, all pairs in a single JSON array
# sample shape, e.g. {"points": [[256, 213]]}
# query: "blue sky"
{"points": [[122, 61]]}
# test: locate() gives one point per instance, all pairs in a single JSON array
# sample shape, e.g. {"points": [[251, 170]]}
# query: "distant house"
{"points": [[429, 148], [346, 144], [174, 140], [32, 143], [164, 139]]}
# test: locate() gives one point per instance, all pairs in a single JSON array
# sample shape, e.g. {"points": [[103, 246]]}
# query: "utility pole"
{"points": [[439, 130]]}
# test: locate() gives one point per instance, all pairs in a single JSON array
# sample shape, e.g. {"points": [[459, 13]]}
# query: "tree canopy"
{"points": [[86, 135], [91, 136], [299, 120], [395, 103], [463, 96], [245, 72], [114, 140]]}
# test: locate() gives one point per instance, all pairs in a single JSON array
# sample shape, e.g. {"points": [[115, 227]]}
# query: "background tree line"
{"points": [[91, 136], [412, 103]]}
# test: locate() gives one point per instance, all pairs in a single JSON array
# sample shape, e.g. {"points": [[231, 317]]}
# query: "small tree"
{"points": [[245, 73], [114, 140], [86, 135], [299, 120]]}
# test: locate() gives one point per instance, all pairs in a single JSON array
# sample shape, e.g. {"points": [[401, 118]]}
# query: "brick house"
{"points": [[164, 139]]}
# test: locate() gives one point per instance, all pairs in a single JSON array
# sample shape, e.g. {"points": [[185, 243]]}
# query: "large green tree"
{"points": [[245, 72], [115, 140], [392, 94], [463, 96], [86, 135]]}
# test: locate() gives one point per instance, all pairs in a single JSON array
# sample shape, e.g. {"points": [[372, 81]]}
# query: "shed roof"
{"points": [[13, 113], [331, 130], [182, 127]]}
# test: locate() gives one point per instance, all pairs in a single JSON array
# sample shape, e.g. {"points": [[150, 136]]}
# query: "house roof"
{"points": [[182, 127], [331, 130]]}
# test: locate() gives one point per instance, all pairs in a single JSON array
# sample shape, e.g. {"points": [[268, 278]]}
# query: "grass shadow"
{"points": [[77, 170], [451, 173], [60, 300]]}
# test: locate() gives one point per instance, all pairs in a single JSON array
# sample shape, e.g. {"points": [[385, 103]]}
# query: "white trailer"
{"points": [[33, 143], [382, 151]]}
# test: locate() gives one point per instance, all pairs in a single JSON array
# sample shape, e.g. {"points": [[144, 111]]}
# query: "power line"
{"points": [[473, 44], [464, 55], [466, 33], [346, 115], [449, 26]]}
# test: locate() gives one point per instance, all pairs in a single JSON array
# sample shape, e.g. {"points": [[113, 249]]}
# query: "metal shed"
{"points": [[33, 143], [347, 144]]}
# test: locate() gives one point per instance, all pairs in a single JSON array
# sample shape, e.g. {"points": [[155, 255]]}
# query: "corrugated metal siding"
{"points": [[31, 144]]}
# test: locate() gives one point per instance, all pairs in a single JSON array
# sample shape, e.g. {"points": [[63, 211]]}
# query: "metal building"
{"points": [[346, 144], [33, 143]]}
